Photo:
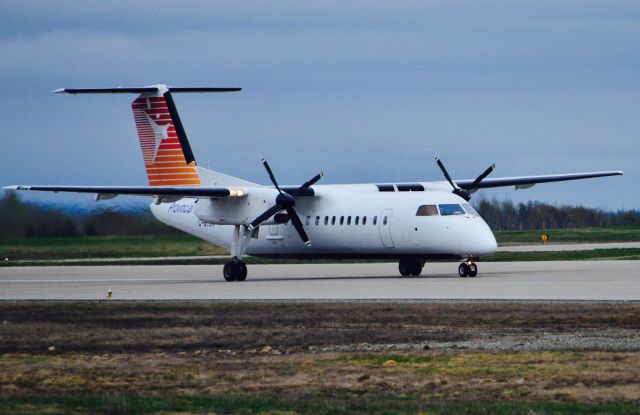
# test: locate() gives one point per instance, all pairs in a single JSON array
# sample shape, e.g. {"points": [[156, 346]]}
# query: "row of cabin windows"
{"points": [[357, 220]]}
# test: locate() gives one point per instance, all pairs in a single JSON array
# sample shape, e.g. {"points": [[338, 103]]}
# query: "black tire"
{"points": [[228, 271], [243, 272], [403, 267], [473, 270], [416, 268], [410, 267], [463, 270]]}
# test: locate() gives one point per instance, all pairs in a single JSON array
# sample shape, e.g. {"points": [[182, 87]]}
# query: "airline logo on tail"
{"points": [[166, 161]]}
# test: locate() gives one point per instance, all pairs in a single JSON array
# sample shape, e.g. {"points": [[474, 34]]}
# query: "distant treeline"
{"points": [[19, 219], [25, 219], [504, 215]]}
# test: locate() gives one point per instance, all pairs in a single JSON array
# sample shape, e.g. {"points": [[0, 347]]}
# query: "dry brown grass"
{"points": [[437, 351]]}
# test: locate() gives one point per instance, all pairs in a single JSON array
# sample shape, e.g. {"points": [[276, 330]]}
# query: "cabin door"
{"points": [[385, 228]]}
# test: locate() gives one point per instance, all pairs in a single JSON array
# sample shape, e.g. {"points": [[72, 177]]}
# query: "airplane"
{"points": [[408, 222]]}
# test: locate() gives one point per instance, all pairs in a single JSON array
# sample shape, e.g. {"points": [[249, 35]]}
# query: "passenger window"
{"points": [[317, 220], [326, 220], [375, 220], [348, 220], [333, 220], [306, 221], [451, 209], [357, 219], [364, 220], [427, 210], [341, 220], [384, 221]]}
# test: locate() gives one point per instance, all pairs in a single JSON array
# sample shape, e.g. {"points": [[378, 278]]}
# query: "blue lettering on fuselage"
{"points": [[174, 208]]}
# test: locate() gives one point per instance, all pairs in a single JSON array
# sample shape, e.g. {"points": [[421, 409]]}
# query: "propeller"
{"points": [[286, 201], [465, 193]]}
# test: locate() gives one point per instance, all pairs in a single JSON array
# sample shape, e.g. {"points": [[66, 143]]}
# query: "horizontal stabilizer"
{"points": [[140, 90]]}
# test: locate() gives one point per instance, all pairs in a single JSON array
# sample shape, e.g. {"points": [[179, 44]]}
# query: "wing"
{"points": [[108, 192], [525, 182]]}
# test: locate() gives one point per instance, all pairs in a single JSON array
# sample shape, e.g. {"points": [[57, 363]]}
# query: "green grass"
{"points": [[593, 254], [106, 247], [329, 402], [618, 234]]}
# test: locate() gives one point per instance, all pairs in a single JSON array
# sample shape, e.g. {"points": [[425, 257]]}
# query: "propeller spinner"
{"points": [[286, 201], [465, 193]]}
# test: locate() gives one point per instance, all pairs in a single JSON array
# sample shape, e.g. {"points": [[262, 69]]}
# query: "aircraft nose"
{"points": [[485, 241]]}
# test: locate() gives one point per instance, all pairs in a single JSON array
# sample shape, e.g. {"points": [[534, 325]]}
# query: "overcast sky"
{"points": [[364, 91]]}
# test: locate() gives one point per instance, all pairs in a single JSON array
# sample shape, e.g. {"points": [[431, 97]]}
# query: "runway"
{"points": [[561, 280]]}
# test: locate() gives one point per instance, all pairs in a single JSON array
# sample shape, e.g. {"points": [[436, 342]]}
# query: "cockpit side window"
{"points": [[470, 210], [427, 210], [451, 209]]}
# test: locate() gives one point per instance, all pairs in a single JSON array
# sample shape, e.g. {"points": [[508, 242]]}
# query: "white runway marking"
{"points": [[570, 280]]}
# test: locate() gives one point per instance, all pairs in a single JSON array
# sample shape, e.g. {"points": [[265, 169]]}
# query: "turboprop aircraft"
{"points": [[411, 222]]}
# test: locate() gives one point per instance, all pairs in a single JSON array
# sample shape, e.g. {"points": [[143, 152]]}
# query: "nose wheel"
{"points": [[467, 269]]}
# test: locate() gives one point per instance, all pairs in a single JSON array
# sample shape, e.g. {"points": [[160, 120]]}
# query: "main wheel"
{"points": [[235, 271], [473, 270], [416, 267], [228, 271], [463, 270], [404, 266], [243, 272]]}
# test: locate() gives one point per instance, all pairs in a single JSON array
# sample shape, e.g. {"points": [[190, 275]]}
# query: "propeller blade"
{"points": [[266, 215], [308, 184], [271, 176], [295, 219], [481, 177], [446, 174]]}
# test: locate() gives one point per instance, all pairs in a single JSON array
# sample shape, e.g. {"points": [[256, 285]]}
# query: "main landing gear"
{"points": [[468, 269], [410, 267], [236, 269]]}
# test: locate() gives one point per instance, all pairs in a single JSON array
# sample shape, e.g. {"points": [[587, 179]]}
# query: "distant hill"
{"points": [[20, 218], [504, 215]]}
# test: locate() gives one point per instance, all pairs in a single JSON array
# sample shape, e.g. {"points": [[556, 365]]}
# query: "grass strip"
{"points": [[320, 403], [594, 254]]}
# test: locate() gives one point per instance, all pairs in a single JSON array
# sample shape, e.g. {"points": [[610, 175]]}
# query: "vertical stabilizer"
{"points": [[167, 155]]}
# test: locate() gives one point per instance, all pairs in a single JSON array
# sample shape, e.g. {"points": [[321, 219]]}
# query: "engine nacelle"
{"points": [[237, 210]]}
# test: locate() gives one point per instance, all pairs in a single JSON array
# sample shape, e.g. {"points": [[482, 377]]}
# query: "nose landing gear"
{"points": [[468, 269]]}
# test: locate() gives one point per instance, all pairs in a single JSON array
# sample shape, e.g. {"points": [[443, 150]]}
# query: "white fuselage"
{"points": [[355, 221]]}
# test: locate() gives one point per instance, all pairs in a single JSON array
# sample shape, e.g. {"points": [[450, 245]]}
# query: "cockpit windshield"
{"points": [[451, 209]]}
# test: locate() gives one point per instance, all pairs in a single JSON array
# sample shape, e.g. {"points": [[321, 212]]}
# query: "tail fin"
{"points": [[167, 155], [165, 149]]}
